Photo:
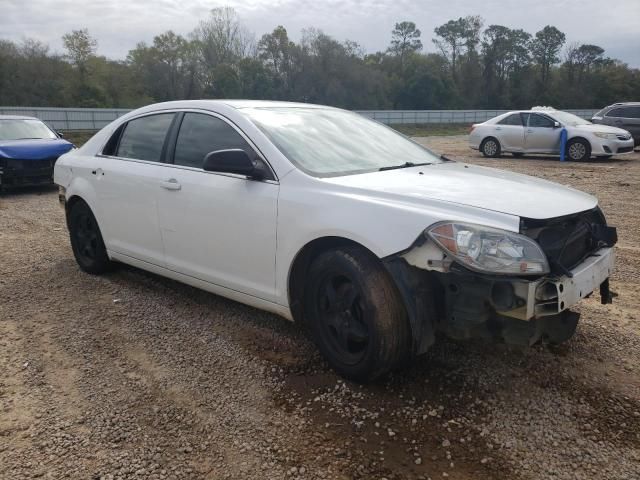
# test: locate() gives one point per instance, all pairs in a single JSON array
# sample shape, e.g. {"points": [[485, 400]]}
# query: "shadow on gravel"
{"points": [[591, 161], [24, 191]]}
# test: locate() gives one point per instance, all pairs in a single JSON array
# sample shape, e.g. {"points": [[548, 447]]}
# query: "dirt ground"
{"points": [[130, 375]]}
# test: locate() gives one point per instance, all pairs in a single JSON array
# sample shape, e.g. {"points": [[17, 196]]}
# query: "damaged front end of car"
{"points": [[471, 281]]}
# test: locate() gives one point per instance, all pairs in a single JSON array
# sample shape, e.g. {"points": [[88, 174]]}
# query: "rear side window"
{"points": [[201, 134], [143, 138], [513, 119], [536, 120]]}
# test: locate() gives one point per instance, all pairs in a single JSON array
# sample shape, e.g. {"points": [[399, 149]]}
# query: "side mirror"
{"points": [[232, 161], [556, 125]]}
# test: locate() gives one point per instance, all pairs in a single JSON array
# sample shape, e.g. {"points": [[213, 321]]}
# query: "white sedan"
{"points": [[323, 216], [538, 131]]}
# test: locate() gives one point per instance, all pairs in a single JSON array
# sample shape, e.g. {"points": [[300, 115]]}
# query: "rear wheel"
{"points": [[490, 147], [86, 240], [355, 314], [578, 150]]}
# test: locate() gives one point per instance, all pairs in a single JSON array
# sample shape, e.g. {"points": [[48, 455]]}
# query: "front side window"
{"points": [[616, 113], [201, 134], [329, 142], [24, 129], [536, 120], [513, 119], [143, 138]]}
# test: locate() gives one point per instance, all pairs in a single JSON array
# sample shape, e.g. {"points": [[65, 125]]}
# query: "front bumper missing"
{"points": [[553, 295], [443, 296]]}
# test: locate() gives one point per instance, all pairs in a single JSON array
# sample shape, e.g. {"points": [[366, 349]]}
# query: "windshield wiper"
{"points": [[403, 165]]}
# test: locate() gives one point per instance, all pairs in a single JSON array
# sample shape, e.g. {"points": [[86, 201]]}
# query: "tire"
{"points": [[517, 154], [578, 150], [86, 240], [355, 314], [490, 147]]}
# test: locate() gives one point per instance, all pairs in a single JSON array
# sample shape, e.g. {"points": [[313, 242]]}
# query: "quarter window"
{"points": [[143, 138], [513, 119], [540, 121], [201, 134]]}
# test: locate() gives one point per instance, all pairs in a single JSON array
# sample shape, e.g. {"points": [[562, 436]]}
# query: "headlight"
{"points": [[610, 136], [491, 250]]}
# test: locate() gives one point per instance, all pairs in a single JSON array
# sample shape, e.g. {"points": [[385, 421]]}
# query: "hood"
{"points": [[602, 128], [36, 149], [480, 187]]}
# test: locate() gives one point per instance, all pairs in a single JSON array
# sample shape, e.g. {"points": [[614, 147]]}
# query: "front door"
{"points": [[541, 136], [220, 228]]}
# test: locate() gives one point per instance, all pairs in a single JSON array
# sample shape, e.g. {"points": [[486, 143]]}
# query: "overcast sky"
{"points": [[119, 24]]}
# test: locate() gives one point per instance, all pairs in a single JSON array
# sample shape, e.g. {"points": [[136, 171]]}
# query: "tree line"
{"points": [[475, 66]]}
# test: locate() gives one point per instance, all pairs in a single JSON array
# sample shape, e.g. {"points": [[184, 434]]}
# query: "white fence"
{"points": [[392, 117], [96, 118]]}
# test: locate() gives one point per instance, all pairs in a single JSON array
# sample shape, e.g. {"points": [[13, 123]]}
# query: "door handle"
{"points": [[171, 184], [498, 128], [529, 131], [97, 172]]}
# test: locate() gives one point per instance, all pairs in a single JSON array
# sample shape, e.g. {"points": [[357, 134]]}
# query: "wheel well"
{"points": [[69, 204], [579, 138], [301, 264], [490, 137]]}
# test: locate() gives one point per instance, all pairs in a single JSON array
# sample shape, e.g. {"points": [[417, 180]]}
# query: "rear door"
{"points": [[218, 227], [540, 135], [510, 132], [127, 182]]}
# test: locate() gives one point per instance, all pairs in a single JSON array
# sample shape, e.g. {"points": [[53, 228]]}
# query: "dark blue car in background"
{"points": [[28, 151]]}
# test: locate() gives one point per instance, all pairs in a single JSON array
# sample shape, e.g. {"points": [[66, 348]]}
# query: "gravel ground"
{"points": [[133, 376]]}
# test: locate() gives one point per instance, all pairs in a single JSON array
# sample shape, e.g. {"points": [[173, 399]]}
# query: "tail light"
{"points": [[473, 127]]}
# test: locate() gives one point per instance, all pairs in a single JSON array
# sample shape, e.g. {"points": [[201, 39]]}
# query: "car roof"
{"points": [[17, 117], [237, 104], [624, 104], [529, 111]]}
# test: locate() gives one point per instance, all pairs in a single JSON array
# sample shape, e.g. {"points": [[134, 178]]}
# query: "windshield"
{"points": [[328, 142], [570, 119], [21, 129]]}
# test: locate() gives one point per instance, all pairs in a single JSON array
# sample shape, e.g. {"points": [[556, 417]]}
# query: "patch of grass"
{"points": [[78, 137], [429, 129]]}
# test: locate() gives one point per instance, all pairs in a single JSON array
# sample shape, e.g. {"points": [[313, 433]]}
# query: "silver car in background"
{"points": [[538, 131]]}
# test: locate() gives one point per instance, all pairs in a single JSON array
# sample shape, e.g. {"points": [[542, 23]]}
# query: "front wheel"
{"points": [[490, 147], [578, 150], [86, 240], [355, 314]]}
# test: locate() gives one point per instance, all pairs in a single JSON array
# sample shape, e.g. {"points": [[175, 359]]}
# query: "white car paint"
{"points": [[239, 238], [527, 139]]}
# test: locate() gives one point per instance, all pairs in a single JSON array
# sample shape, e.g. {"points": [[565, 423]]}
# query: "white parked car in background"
{"points": [[538, 131], [323, 216]]}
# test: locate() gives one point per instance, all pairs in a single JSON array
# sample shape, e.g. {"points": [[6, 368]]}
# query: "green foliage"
{"points": [[494, 67]]}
